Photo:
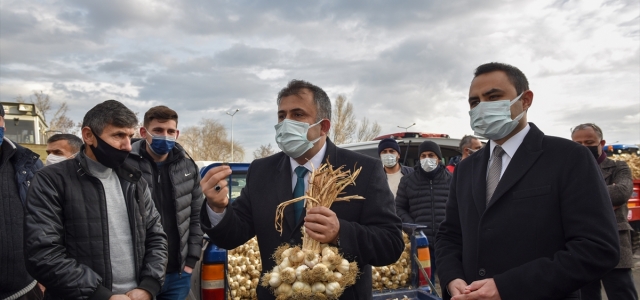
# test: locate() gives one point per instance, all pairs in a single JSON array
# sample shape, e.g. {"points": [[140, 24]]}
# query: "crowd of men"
{"points": [[528, 216]]}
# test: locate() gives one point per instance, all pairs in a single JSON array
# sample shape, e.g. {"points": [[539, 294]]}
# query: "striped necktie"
{"points": [[493, 177]]}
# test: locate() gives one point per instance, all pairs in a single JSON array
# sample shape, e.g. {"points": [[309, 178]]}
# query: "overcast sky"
{"points": [[398, 62]]}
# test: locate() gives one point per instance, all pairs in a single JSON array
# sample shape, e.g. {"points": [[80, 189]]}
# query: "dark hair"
{"points": [[466, 141], [110, 112], [588, 125], [160, 113], [516, 77], [323, 104], [74, 141]]}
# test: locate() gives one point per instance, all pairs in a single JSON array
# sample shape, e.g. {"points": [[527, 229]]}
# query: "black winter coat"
{"points": [[66, 236], [421, 200], [187, 195]]}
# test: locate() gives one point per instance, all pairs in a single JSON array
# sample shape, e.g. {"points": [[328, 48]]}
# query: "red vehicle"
{"points": [[634, 206]]}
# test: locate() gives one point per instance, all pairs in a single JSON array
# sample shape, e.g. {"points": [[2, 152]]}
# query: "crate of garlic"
{"points": [[243, 270], [397, 275], [632, 160], [245, 266]]}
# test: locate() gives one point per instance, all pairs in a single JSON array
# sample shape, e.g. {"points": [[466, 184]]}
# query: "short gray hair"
{"points": [[588, 125], [466, 142], [74, 141], [323, 104]]}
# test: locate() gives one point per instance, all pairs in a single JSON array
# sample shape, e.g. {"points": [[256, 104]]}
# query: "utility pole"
{"points": [[232, 114], [407, 128]]}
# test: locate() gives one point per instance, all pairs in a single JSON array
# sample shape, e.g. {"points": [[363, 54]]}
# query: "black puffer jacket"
{"points": [[66, 235], [185, 187], [422, 200]]}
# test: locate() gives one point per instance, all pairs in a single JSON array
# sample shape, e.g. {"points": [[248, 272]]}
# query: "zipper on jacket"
{"points": [[132, 225], [433, 208]]}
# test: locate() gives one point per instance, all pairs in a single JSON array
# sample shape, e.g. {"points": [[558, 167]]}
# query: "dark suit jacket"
{"points": [[370, 231], [548, 230]]}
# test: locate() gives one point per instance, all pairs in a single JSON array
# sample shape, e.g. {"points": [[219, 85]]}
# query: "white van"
{"points": [[409, 143]]}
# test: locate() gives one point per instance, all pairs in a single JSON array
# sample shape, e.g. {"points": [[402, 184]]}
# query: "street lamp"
{"points": [[232, 114], [407, 128]]}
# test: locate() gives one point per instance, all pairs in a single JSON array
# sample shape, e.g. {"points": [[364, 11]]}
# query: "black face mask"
{"points": [[594, 151], [107, 155]]}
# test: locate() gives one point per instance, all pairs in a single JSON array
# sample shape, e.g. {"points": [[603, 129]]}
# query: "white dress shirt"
{"points": [[316, 161], [510, 147]]}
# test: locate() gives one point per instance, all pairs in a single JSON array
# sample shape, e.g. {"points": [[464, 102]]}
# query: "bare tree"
{"points": [[19, 99], [42, 102], [208, 141], [140, 124], [345, 128], [61, 122], [366, 131], [343, 123], [263, 151]]}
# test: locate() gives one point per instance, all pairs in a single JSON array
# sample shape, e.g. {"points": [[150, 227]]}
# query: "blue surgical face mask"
{"points": [[492, 119], [1, 135], [161, 144], [291, 137]]}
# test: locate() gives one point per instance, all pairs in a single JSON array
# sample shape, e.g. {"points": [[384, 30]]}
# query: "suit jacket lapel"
{"points": [[607, 167], [479, 178], [285, 194], [525, 157]]}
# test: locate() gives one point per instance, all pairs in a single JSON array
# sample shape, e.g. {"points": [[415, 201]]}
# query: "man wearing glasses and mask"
{"points": [[469, 144]]}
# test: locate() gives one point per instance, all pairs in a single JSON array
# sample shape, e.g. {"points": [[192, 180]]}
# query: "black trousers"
{"points": [[618, 285]]}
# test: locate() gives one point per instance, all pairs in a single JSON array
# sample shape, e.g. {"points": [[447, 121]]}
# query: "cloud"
{"points": [[398, 63]]}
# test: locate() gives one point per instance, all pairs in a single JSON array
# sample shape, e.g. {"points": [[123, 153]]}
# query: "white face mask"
{"points": [[492, 119], [54, 159], [291, 137], [428, 164], [388, 160]]}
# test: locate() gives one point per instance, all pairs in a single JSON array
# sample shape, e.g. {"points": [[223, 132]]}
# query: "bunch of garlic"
{"points": [[632, 160], [306, 274], [396, 275], [244, 268]]}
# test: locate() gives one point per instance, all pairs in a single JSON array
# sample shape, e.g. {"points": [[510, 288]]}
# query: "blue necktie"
{"points": [[298, 191]]}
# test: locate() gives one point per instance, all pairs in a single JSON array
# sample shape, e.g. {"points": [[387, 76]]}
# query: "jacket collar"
{"points": [[523, 159], [607, 167], [124, 172]]}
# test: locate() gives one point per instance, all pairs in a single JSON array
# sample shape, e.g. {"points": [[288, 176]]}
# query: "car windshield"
{"points": [[237, 183]]}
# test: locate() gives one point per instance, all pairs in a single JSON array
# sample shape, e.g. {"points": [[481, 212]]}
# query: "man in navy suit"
{"points": [[366, 231], [529, 215]]}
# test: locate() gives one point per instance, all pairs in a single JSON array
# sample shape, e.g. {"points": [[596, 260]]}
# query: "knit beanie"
{"points": [[388, 143], [430, 146]]}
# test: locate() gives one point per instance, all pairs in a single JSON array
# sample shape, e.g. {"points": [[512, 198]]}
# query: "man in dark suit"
{"points": [[366, 231], [528, 216]]}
